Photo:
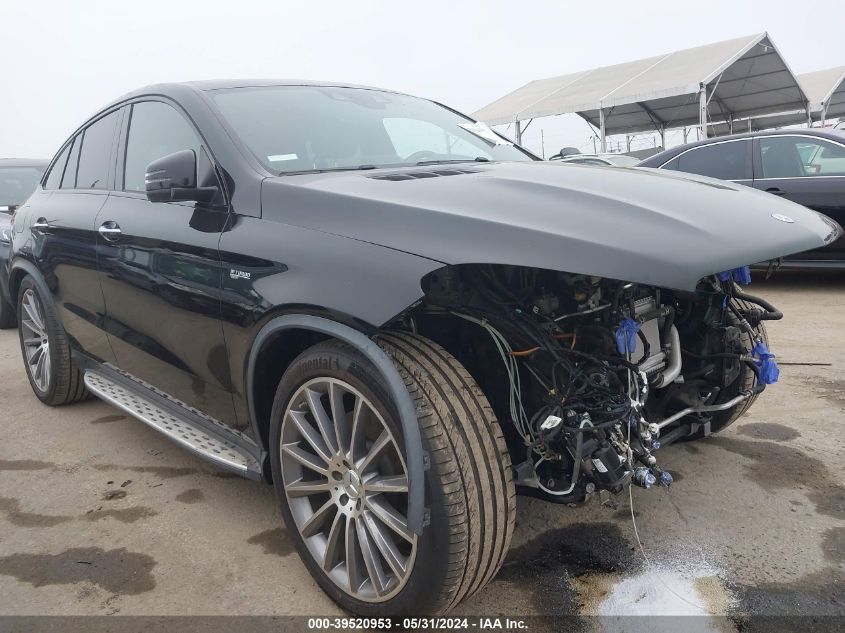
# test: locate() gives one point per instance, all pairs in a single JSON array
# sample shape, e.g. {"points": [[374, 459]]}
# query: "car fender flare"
{"points": [[27, 267], [414, 454]]}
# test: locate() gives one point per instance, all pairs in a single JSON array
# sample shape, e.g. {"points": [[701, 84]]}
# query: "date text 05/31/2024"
{"points": [[431, 624]]}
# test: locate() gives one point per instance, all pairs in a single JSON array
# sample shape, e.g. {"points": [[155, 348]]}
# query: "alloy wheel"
{"points": [[346, 485], [36, 341]]}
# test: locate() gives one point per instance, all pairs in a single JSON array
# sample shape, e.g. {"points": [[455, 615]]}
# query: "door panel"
{"points": [[160, 269], [66, 256], [809, 171], [161, 280]]}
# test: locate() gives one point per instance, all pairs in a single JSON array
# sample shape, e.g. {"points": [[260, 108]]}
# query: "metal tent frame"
{"points": [[723, 81]]}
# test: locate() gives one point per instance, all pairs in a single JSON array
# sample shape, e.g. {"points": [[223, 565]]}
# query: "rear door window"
{"points": [[96, 153], [725, 161], [800, 156]]}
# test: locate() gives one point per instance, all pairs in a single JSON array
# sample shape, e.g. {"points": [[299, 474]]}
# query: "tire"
{"points": [[60, 381], [469, 488], [721, 420], [8, 319]]}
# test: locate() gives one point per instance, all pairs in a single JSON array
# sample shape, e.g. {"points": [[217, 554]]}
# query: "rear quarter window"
{"points": [[725, 161], [54, 178]]}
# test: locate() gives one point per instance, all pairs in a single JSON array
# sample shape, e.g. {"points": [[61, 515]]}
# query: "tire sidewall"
{"points": [[343, 362]]}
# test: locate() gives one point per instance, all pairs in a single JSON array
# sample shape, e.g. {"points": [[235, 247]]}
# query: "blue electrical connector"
{"points": [[741, 275], [626, 336], [765, 360]]}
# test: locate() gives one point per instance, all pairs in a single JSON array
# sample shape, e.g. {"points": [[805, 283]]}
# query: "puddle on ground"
{"points": [[25, 464], [811, 598], [776, 467], [275, 541], [833, 545], [769, 431], [11, 508], [548, 563], [194, 495], [832, 390], [118, 571]]}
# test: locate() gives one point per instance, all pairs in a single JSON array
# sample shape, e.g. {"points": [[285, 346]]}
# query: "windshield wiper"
{"points": [[477, 159], [327, 169]]}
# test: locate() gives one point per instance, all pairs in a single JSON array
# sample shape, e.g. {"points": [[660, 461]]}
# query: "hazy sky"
{"points": [[62, 61]]}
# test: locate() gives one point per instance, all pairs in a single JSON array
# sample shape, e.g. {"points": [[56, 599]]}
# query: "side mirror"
{"points": [[174, 177]]}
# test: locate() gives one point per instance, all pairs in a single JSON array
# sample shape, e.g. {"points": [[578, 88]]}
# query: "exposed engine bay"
{"points": [[590, 376]]}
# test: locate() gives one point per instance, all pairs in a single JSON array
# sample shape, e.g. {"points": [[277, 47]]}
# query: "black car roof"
{"points": [[205, 85], [662, 157]]}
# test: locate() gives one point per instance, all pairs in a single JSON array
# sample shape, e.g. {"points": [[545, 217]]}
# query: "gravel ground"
{"points": [[101, 515]]}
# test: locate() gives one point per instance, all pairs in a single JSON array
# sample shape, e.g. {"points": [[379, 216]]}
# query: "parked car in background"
{"points": [[607, 160], [392, 313], [806, 166], [18, 179], [574, 155]]}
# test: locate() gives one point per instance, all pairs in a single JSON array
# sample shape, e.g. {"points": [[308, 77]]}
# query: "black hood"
{"points": [[653, 227]]}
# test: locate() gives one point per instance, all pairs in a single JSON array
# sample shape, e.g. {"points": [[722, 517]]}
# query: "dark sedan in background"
{"points": [[806, 166], [18, 179]]}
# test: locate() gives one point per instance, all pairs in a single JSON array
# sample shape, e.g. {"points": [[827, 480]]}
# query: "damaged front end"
{"points": [[590, 376]]}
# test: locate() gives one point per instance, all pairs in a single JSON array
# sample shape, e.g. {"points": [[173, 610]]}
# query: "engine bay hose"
{"points": [[770, 313]]}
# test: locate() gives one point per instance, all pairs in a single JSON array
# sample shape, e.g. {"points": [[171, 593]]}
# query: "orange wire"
{"points": [[528, 352]]}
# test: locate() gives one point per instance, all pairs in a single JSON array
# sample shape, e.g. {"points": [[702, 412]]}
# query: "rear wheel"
{"points": [[45, 349], [338, 460]]}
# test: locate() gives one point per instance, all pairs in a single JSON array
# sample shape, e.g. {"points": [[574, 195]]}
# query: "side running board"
{"points": [[208, 438]]}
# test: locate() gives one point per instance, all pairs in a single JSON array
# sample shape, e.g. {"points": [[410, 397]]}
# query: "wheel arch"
{"points": [[289, 335], [19, 269]]}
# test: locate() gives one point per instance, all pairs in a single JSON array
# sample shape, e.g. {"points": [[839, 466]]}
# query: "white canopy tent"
{"points": [[723, 81], [825, 90]]}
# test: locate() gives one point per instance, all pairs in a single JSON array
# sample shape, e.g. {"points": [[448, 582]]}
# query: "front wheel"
{"points": [[339, 468], [721, 420]]}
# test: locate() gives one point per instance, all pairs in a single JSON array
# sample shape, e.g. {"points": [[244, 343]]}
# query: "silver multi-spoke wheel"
{"points": [[36, 342], [346, 485]]}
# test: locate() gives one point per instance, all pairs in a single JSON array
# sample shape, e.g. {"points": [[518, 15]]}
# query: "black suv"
{"points": [[806, 166], [392, 313]]}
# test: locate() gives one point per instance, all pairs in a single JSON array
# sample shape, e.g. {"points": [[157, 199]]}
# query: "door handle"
{"points": [[110, 230], [776, 191], [40, 224]]}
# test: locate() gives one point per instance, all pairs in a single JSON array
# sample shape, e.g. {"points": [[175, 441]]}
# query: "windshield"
{"points": [[17, 184], [318, 128]]}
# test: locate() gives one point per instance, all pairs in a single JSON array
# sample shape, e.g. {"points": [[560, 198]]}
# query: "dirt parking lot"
{"points": [[101, 515]]}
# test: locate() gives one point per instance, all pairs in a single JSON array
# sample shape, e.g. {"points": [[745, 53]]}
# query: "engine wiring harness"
{"points": [[588, 379]]}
